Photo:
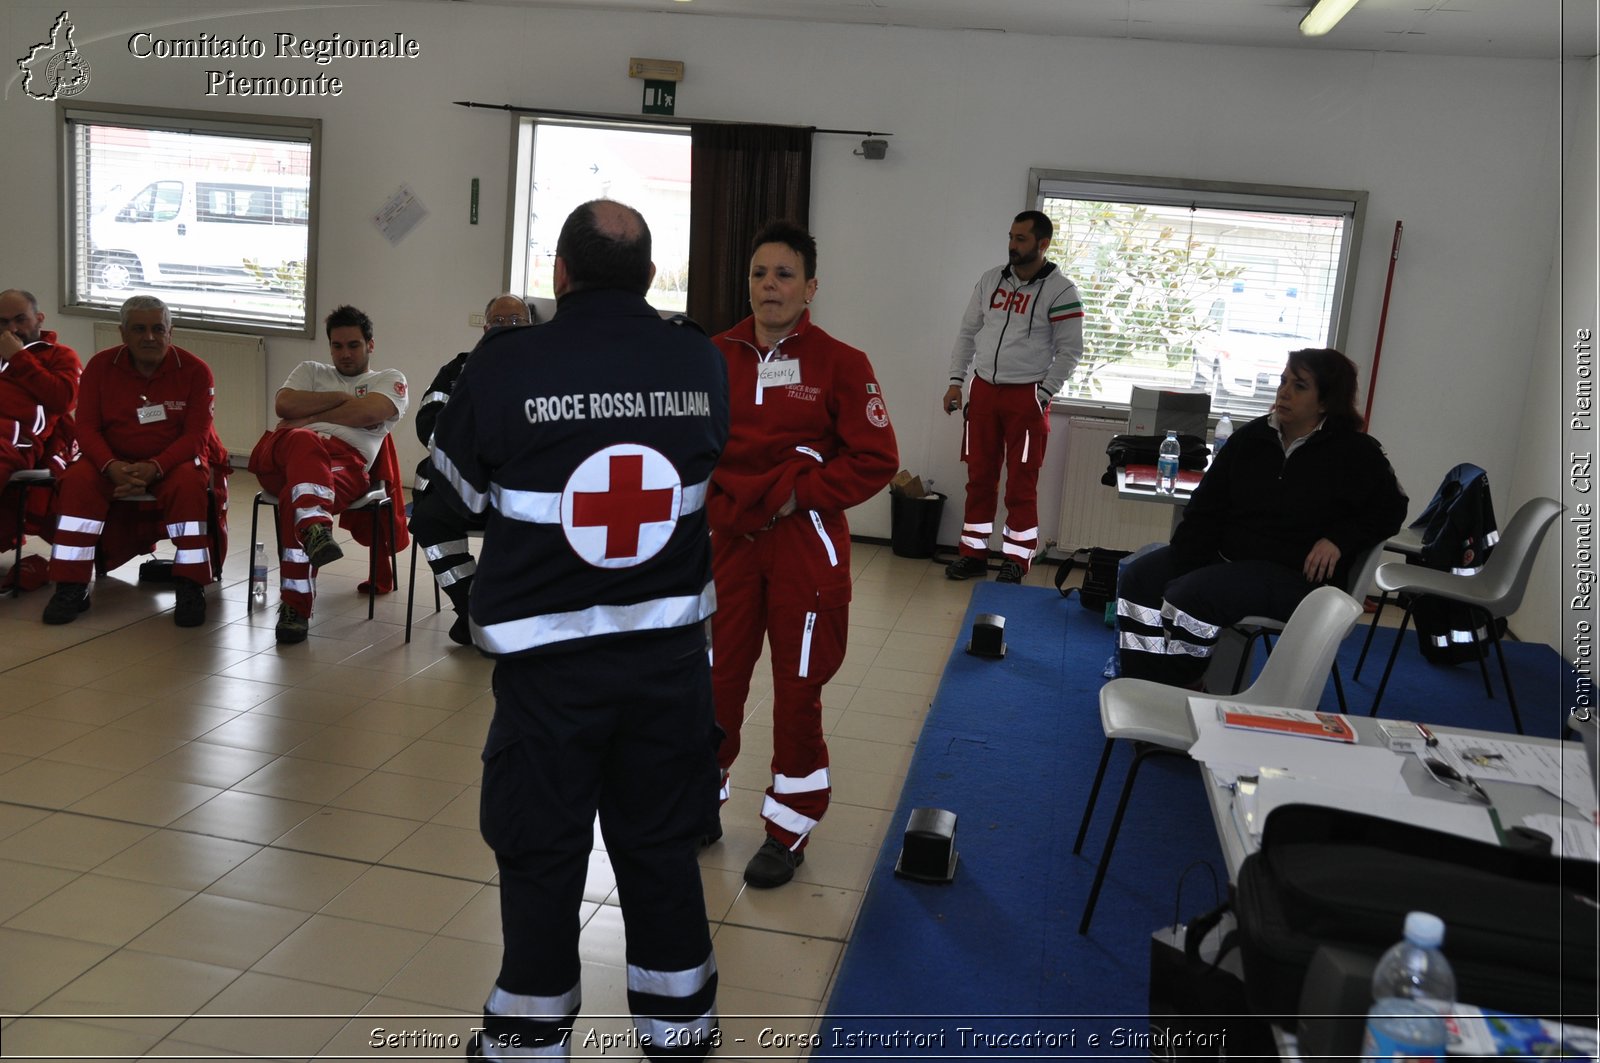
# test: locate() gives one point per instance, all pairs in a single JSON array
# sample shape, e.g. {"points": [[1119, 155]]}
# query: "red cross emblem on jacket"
{"points": [[621, 505]]}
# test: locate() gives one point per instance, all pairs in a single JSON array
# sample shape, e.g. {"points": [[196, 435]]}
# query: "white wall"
{"points": [[1465, 151], [1543, 466]]}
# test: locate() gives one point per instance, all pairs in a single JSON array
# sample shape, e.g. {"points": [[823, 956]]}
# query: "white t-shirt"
{"points": [[321, 376]]}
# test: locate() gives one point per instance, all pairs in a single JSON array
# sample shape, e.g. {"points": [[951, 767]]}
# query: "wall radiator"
{"points": [[1091, 513], [239, 364]]}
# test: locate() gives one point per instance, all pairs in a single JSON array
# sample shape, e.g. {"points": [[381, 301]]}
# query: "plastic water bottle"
{"points": [[1224, 430], [258, 576], [1413, 989], [1167, 464]]}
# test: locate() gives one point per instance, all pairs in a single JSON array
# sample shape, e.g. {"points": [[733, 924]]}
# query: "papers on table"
{"points": [[1469, 821], [1264, 770], [1231, 753], [1569, 836], [1561, 770]]}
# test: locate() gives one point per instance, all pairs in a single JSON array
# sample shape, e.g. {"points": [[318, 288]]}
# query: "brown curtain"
{"points": [[744, 177]]}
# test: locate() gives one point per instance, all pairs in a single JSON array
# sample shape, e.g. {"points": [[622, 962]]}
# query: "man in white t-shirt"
{"points": [[334, 420]]}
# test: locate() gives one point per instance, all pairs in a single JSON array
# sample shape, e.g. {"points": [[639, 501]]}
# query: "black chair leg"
{"points": [[1094, 792], [1505, 675], [1480, 653], [1394, 651], [255, 516], [411, 588], [1372, 629], [1116, 825]]}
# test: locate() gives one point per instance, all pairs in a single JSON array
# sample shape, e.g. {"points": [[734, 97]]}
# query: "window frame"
{"points": [[1351, 204], [72, 214]]}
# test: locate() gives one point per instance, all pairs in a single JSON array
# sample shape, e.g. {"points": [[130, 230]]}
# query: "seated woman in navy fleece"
{"points": [[1287, 505]]}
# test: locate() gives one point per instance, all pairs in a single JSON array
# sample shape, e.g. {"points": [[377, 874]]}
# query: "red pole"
{"points": [[1383, 321]]}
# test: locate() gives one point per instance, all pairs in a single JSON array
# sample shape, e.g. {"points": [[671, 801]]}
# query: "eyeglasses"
{"points": [[507, 319]]}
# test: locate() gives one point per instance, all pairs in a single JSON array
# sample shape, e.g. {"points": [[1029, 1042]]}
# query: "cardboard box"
{"points": [[1152, 411], [904, 483]]}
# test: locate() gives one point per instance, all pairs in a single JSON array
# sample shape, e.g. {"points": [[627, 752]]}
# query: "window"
{"points": [[1205, 286], [560, 164], [214, 214]]}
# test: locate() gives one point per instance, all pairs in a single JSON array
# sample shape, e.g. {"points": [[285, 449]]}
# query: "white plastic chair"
{"points": [[1155, 717], [1265, 627], [1495, 590]]}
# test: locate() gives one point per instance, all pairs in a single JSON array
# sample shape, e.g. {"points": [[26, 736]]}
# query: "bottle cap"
{"points": [[1424, 929]]}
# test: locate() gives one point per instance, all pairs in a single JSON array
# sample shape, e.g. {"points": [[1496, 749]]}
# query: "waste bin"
{"points": [[914, 524]]}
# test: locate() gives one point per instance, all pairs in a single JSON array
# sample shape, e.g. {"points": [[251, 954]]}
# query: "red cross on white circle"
{"points": [[620, 505]]}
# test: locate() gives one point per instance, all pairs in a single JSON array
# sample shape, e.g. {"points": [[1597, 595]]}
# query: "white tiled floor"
{"points": [[198, 823]]}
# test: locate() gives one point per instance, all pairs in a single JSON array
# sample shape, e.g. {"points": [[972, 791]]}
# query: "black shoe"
{"points": [[66, 603], [1010, 572], [773, 864], [461, 631], [191, 610], [966, 567], [292, 627], [319, 545]]}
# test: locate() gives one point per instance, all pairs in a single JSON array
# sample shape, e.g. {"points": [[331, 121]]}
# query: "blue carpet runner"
{"points": [[992, 964]]}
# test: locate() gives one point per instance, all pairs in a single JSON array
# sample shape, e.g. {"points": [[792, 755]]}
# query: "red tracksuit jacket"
{"points": [[828, 438], [112, 392], [37, 387]]}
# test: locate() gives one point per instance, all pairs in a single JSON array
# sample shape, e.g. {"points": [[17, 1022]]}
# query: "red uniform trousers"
{"points": [[790, 583], [85, 503], [315, 477], [13, 459], [1003, 425]]}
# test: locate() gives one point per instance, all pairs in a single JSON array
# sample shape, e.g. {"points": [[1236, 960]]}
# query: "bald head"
{"points": [[604, 244], [506, 309]]}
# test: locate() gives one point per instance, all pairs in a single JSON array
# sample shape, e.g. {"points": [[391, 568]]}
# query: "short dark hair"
{"points": [[347, 316], [1335, 377], [792, 235], [1042, 229], [606, 255]]}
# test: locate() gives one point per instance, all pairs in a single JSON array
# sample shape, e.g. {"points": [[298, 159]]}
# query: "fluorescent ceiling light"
{"points": [[1324, 16]]}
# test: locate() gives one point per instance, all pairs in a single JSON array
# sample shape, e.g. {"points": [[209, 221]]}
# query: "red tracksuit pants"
{"points": [[791, 585], [84, 502], [1004, 425], [314, 477]]}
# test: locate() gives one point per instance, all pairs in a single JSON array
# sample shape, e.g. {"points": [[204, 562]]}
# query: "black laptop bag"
{"points": [[1520, 925]]}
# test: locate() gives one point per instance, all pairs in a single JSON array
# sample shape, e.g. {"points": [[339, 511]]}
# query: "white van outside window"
{"points": [[217, 232], [215, 214]]}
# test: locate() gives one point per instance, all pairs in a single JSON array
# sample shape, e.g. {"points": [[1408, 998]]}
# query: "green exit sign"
{"points": [[660, 96]]}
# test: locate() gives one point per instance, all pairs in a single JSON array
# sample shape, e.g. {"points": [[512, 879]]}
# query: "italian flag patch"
{"points": [[1063, 311]]}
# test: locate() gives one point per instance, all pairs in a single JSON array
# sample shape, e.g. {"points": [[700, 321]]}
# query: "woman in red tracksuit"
{"points": [[810, 437]]}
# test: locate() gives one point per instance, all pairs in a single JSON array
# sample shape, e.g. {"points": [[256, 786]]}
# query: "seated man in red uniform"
{"points": [[144, 424], [334, 420], [38, 382], [38, 386]]}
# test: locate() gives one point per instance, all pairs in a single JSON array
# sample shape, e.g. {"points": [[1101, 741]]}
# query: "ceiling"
{"points": [[1513, 29]]}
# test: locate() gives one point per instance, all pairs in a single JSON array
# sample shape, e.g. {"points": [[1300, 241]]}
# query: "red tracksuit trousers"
{"points": [[791, 585], [314, 477], [85, 504], [1004, 426]]}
